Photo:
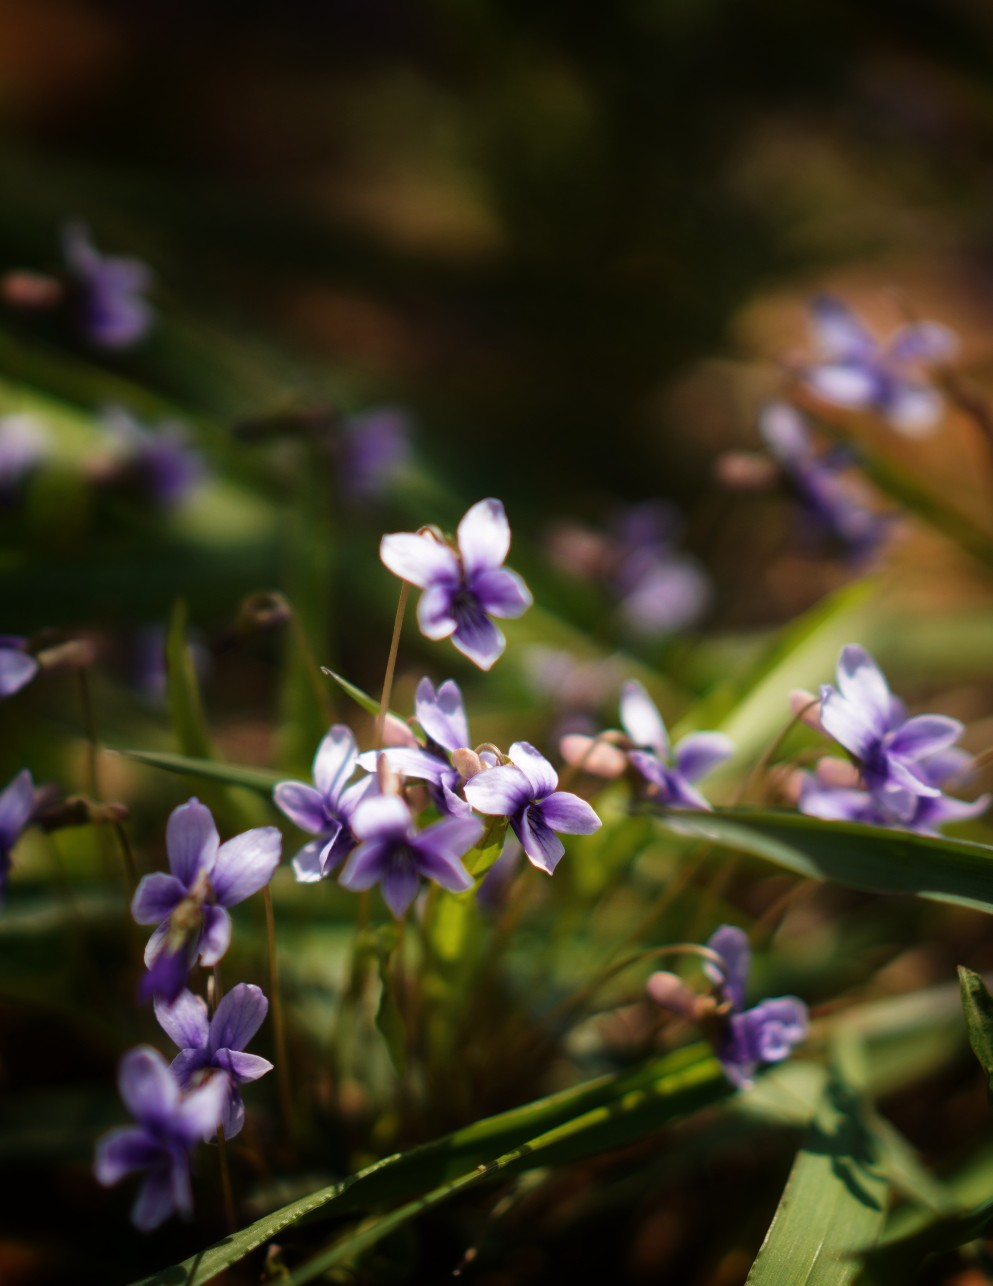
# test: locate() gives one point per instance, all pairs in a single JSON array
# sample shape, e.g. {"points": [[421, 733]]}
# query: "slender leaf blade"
{"points": [[260, 780], [977, 1007]]}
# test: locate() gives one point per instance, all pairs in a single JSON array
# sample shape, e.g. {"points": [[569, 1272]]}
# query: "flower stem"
{"points": [[222, 1156], [90, 732], [130, 870], [278, 1029], [384, 701]]}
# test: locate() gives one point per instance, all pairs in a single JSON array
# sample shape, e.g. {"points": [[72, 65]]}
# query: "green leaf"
{"points": [[834, 1202], [480, 858], [368, 703], [257, 779], [609, 1112], [862, 857], [389, 1019], [977, 1007], [901, 1259], [185, 706]]}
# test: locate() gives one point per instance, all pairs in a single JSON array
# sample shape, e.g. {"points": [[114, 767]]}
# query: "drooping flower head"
{"points": [[463, 587], [17, 666], [890, 749], [109, 291], [832, 510], [325, 809], [17, 803], [169, 1126], [743, 1039], [217, 1045], [858, 371], [670, 772], [190, 905], [524, 791], [395, 855]]}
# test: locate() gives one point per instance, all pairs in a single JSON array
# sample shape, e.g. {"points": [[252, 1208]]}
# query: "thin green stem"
{"points": [[90, 732], [130, 869], [384, 701]]}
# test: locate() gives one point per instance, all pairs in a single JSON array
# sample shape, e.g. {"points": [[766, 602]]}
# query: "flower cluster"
{"points": [[899, 765], [108, 292]]}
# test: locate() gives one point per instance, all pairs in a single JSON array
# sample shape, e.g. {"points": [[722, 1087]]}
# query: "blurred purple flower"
{"points": [[864, 717], [17, 802], [113, 312], [17, 666], [830, 505], [670, 772], [24, 443], [160, 460], [525, 792], [325, 809], [743, 1039], [190, 906], [462, 589], [373, 451], [857, 371], [395, 855], [169, 1126], [147, 661], [217, 1044]]}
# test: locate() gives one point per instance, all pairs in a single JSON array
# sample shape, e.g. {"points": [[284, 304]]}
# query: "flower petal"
{"points": [[641, 720], [216, 935], [147, 1086], [569, 814], [243, 1067], [923, 341], [837, 331], [442, 714], [16, 807], [439, 850], [238, 1017], [366, 866], [185, 1021], [484, 536], [123, 1151], [308, 865], [157, 1196], [17, 669], [302, 804], [192, 841], [501, 592], [399, 887], [335, 760], [862, 682], [420, 764], [535, 767], [436, 612], [924, 735], [421, 560], [843, 385], [156, 897], [499, 792], [732, 945], [542, 846], [914, 409], [701, 752], [478, 638], [199, 1113], [382, 817], [246, 864], [784, 431]]}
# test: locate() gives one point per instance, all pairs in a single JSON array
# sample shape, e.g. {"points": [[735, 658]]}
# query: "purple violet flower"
{"points": [[373, 451], [170, 1125], [670, 772], [325, 809], [217, 1044], [743, 1039], [525, 792], [891, 750], [17, 802], [831, 507], [160, 460], [109, 291], [661, 590], [17, 666], [442, 715], [857, 371], [395, 855], [190, 906], [463, 588]]}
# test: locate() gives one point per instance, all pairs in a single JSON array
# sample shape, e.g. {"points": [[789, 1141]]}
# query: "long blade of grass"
{"points": [[257, 779]]}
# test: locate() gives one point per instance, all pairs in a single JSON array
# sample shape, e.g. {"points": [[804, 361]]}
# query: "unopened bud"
{"points": [[806, 708], [31, 291], [593, 754], [745, 471], [467, 762], [76, 654], [79, 811]]}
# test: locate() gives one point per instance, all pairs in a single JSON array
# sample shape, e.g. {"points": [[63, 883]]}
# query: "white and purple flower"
{"points": [[671, 772], [395, 855], [463, 587], [325, 809], [17, 805], [743, 1039], [857, 371], [524, 791], [17, 666], [169, 1126], [190, 905], [217, 1045]]}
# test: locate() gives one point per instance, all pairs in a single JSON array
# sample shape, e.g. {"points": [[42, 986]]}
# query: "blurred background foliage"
{"points": [[575, 244]]}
